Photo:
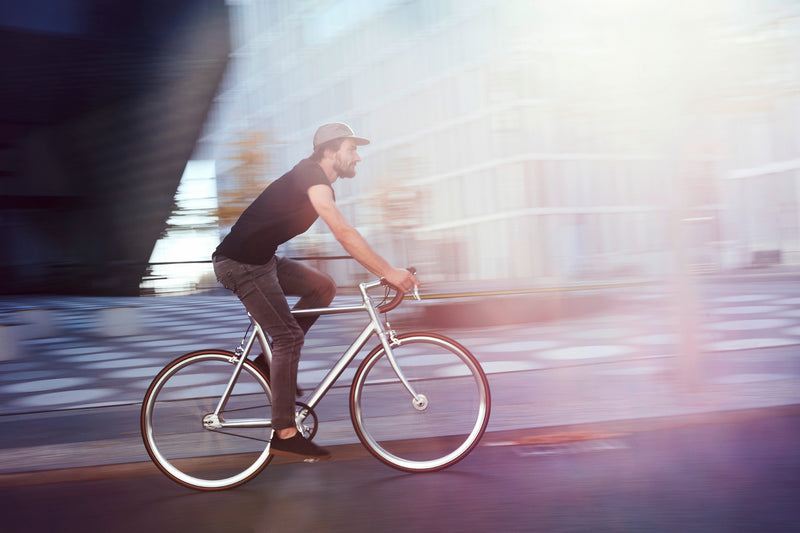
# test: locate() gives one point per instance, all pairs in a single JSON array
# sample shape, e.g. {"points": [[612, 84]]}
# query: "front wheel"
{"points": [[192, 445], [442, 424]]}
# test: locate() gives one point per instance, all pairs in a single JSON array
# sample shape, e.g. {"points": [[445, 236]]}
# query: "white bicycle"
{"points": [[205, 418]]}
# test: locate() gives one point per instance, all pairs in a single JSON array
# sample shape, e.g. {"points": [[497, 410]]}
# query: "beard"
{"points": [[344, 171]]}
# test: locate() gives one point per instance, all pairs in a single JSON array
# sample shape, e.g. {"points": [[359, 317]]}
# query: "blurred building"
{"points": [[760, 186], [533, 142], [101, 106]]}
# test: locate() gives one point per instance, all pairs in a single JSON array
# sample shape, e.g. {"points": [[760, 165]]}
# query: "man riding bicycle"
{"points": [[245, 262]]}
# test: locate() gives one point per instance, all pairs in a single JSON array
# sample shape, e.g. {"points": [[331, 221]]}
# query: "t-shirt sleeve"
{"points": [[310, 174]]}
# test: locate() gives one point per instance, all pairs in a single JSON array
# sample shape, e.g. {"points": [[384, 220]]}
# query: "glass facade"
{"points": [[517, 141]]}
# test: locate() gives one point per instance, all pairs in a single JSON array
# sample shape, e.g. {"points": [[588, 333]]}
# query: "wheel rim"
{"points": [[177, 405], [455, 408]]}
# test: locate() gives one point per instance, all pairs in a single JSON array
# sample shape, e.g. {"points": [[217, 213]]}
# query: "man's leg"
{"points": [[258, 288], [315, 288]]}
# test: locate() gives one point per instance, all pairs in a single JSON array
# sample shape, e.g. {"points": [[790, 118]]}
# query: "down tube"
{"points": [[334, 373]]}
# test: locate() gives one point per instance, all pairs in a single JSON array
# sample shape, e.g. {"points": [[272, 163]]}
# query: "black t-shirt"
{"points": [[282, 211]]}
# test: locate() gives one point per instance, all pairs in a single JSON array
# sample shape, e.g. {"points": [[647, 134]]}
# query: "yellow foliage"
{"points": [[247, 176]]}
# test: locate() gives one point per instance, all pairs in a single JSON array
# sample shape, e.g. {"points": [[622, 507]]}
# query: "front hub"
{"points": [[420, 403]]}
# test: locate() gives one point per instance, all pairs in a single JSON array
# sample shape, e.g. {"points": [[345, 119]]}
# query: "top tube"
{"points": [[328, 310], [364, 287]]}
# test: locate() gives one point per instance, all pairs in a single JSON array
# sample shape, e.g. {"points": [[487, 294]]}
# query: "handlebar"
{"points": [[398, 295]]}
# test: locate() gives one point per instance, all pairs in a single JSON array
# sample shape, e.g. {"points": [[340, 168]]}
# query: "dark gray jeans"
{"points": [[263, 290]]}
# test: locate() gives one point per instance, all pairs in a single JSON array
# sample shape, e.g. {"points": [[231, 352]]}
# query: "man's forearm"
{"points": [[355, 244]]}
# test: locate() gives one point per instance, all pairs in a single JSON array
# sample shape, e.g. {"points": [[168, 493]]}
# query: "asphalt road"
{"points": [[740, 473]]}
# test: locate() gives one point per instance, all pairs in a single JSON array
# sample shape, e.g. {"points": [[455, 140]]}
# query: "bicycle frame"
{"points": [[375, 326]]}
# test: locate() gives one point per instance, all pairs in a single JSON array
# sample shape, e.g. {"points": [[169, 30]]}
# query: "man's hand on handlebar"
{"points": [[403, 280]]}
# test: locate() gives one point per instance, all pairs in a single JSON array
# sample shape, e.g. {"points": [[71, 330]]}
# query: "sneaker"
{"points": [[261, 363], [297, 446]]}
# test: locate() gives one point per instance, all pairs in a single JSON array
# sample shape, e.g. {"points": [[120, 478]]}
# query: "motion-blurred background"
{"points": [[522, 143]]}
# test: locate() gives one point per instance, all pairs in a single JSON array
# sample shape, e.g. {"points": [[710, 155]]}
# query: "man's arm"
{"points": [[323, 201]]}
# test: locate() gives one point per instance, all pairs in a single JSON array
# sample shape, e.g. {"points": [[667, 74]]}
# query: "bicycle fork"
{"points": [[419, 401], [387, 339]]}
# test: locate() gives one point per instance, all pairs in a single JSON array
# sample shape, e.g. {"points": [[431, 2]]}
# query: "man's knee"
{"points": [[327, 290]]}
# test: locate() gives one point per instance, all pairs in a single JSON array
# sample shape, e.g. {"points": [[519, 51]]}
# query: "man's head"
{"points": [[338, 142]]}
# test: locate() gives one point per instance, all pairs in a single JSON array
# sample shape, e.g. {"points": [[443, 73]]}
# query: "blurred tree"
{"points": [[246, 177]]}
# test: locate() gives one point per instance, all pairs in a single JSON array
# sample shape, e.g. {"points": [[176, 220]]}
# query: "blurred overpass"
{"points": [[101, 106]]}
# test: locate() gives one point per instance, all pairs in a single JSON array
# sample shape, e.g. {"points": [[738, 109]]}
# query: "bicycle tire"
{"points": [[438, 435], [172, 427]]}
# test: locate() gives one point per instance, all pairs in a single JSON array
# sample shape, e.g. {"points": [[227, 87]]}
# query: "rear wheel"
{"points": [[443, 424], [190, 444]]}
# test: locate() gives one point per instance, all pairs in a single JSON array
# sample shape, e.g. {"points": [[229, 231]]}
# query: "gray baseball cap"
{"points": [[336, 130]]}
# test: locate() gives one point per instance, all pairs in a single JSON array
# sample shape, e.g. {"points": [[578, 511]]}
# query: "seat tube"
{"points": [[232, 381]]}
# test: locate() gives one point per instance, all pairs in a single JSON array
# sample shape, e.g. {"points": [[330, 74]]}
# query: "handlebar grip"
{"points": [[398, 295]]}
